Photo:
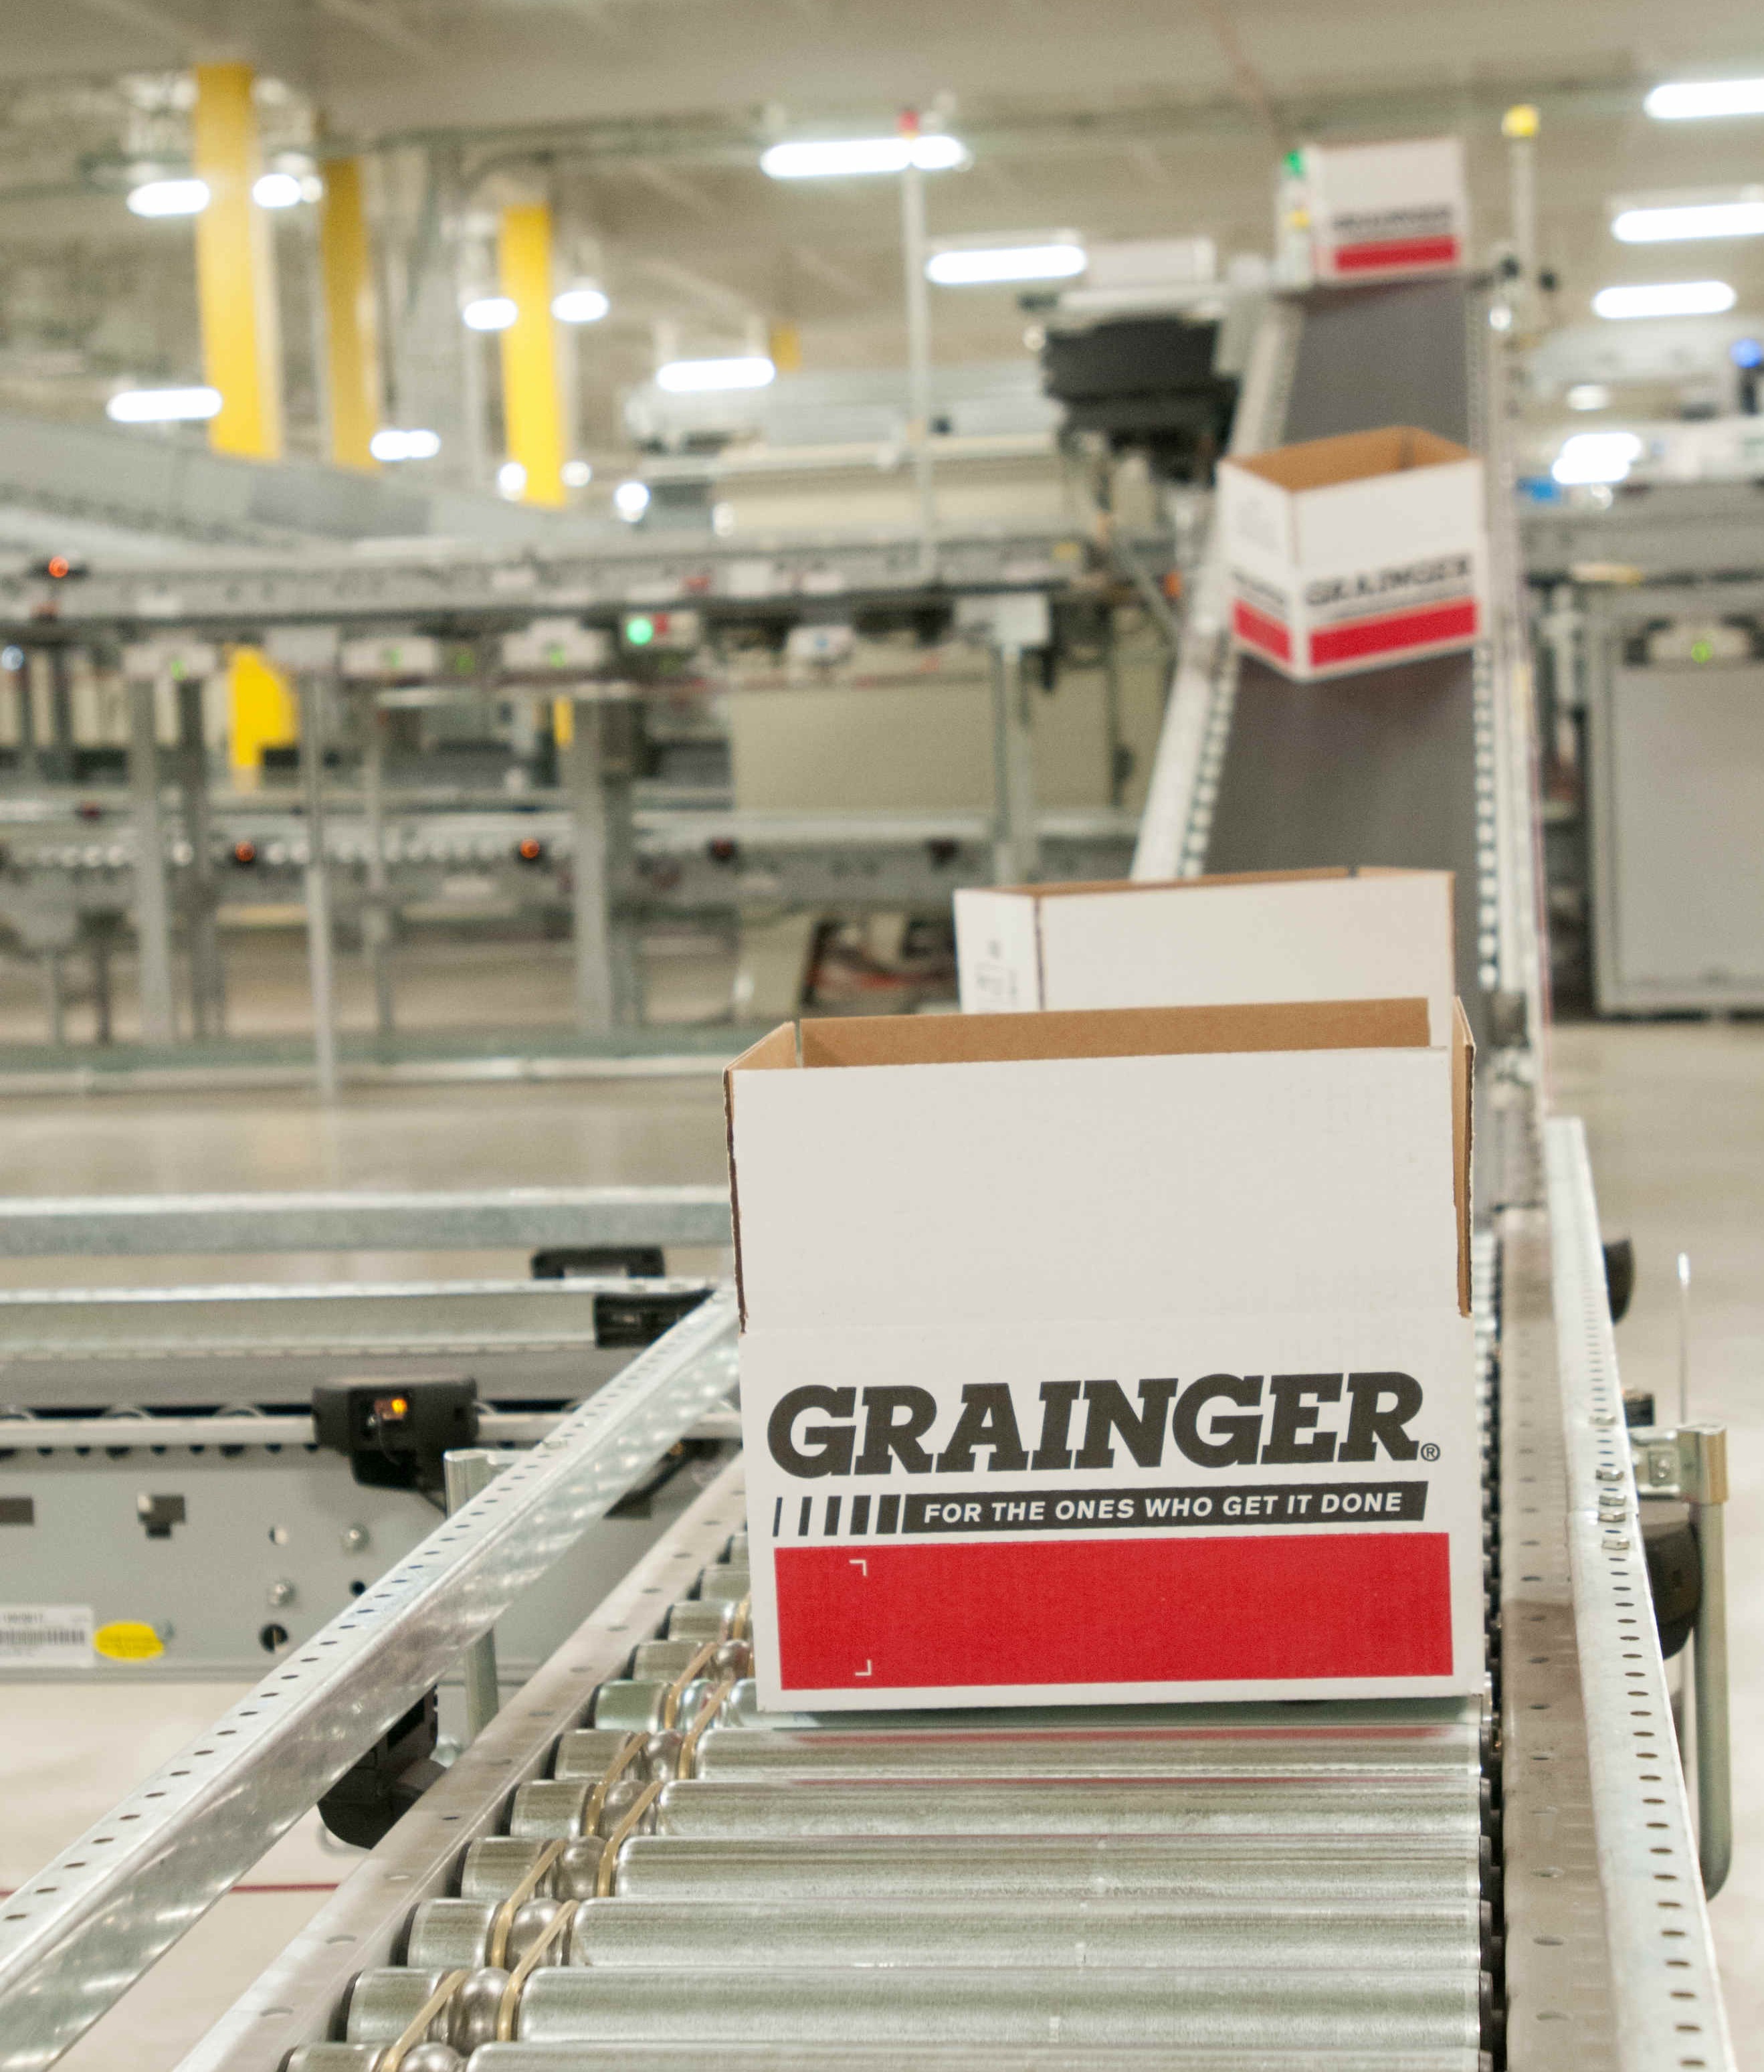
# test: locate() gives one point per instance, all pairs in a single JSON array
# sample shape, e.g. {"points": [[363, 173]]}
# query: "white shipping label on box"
{"points": [[1209, 1512], [1352, 552], [1143, 1373], [1373, 935], [45, 1636]]}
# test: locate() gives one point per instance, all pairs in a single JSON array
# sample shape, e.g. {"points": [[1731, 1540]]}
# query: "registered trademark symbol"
{"points": [[1430, 1453]]}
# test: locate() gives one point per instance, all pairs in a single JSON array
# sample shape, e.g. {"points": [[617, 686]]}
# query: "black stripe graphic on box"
{"points": [[803, 1522], [778, 1518], [860, 1515], [833, 1515], [887, 1513]]}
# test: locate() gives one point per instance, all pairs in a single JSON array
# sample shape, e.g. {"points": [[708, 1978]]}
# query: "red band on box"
{"points": [[1396, 251], [1150, 1610], [1395, 632], [1255, 629]]}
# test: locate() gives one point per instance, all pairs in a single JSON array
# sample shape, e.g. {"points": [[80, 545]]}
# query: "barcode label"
{"points": [[45, 1636]]}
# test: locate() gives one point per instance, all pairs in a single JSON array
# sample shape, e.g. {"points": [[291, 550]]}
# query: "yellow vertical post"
{"points": [[262, 714], [784, 343], [532, 405], [351, 331], [236, 282]]}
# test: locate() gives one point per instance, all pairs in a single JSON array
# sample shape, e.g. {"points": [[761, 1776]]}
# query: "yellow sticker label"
{"points": [[128, 1640]]}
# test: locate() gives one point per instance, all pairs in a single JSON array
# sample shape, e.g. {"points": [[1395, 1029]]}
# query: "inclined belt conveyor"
{"points": [[1182, 1886]]}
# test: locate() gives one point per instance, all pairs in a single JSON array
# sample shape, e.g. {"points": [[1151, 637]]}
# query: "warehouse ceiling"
{"points": [[643, 121]]}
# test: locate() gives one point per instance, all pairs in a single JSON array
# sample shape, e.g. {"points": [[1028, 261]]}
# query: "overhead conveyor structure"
{"points": [[630, 1867]]}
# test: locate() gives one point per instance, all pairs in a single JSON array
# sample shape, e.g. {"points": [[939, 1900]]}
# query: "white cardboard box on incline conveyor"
{"points": [[1371, 934], [1108, 1357]]}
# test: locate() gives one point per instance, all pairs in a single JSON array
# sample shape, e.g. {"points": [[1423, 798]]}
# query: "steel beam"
{"points": [[146, 1226]]}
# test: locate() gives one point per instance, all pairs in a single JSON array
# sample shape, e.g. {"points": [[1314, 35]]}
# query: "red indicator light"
{"points": [[59, 566], [245, 852], [530, 848]]}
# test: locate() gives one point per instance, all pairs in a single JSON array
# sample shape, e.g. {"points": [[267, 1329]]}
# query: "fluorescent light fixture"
{"points": [[277, 191], [580, 306], [1589, 396], [834, 158], [162, 406], [1666, 298], [169, 198], [701, 377], [983, 265], [1588, 458], [489, 313], [1740, 215], [511, 478], [631, 500], [578, 475], [1687, 100], [389, 443]]}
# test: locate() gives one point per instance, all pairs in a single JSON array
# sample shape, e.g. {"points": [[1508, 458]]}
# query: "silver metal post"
{"points": [[312, 762], [1703, 1478], [912, 241], [376, 914], [1015, 850], [467, 1473], [153, 906], [1683, 1338], [206, 975], [593, 961], [55, 997]]}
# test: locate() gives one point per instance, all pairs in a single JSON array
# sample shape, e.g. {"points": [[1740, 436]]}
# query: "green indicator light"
{"points": [[1295, 162], [640, 632], [1701, 652]]}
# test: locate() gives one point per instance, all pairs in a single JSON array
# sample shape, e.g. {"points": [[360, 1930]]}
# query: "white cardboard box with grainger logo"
{"points": [[1101, 1358], [1356, 552], [1193, 942], [1385, 212]]}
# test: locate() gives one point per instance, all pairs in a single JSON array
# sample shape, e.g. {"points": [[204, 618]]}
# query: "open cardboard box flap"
{"points": [[952, 1039], [1089, 886], [1351, 457]]}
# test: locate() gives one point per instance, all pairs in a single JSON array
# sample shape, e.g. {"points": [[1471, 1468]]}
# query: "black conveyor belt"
{"points": [[1378, 768]]}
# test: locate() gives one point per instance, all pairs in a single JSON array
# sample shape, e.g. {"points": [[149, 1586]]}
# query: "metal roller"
{"points": [[584, 1752], [633, 1705], [699, 1619], [740, 2055], [1381, 1870], [1445, 1804], [447, 1934], [1264, 2009], [495, 1864], [383, 2004], [1052, 1753], [631, 1934]]}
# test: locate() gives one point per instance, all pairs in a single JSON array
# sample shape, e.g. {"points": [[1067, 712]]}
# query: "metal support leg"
{"points": [[54, 998], [466, 1474], [912, 245], [376, 914], [594, 1001], [1703, 1478], [153, 905], [207, 981], [312, 765], [58, 760], [1015, 850]]}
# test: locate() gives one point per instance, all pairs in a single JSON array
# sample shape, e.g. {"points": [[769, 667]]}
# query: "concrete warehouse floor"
{"points": [[1676, 1113]]}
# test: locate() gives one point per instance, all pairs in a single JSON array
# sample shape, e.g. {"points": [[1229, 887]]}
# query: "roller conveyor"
{"points": [[633, 1868]]}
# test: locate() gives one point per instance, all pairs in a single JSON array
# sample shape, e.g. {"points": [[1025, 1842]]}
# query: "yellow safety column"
{"points": [[352, 332], [784, 343], [236, 282], [532, 404], [261, 712]]}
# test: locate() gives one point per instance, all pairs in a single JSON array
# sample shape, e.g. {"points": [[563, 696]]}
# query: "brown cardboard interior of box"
{"points": [[1114, 1032], [1078, 886], [1351, 457]]}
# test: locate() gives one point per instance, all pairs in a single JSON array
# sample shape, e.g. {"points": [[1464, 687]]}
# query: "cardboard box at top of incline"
{"points": [[1384, 212], [1351, 552], [1108, 1357], [1191, 942]]}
